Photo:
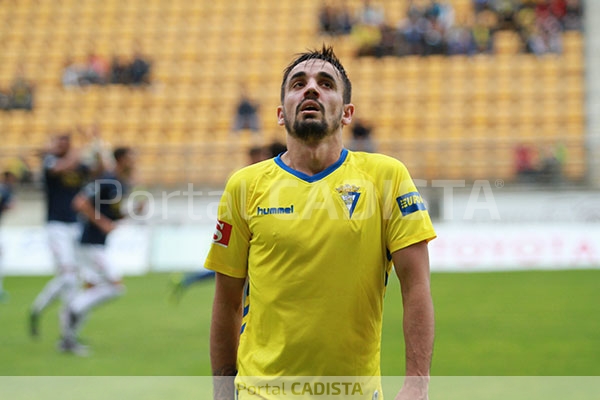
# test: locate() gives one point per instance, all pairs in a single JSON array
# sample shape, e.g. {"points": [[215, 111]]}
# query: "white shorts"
{"points": [[96, 267], [63, 238]]}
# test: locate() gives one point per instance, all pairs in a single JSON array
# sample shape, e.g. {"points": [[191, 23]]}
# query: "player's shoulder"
{"points": [[252, 172]]}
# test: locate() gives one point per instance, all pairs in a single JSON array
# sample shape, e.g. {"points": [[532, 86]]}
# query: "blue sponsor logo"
{"points": [[410, 203], [275, 210]]}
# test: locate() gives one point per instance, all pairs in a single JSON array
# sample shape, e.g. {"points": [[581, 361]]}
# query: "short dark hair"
{"points": [[326, 54], [121, 152]]}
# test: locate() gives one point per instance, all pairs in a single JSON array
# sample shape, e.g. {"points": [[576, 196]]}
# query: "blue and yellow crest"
{"points": [[350, 195]]}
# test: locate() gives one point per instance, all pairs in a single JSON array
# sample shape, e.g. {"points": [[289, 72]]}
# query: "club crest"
{"points": [[349, 194]]}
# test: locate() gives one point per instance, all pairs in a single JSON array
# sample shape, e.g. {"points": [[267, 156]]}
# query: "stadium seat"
{"points": [[202, 51]]}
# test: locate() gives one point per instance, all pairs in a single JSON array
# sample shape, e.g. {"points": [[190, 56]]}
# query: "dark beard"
{"points": [[309, 130]]}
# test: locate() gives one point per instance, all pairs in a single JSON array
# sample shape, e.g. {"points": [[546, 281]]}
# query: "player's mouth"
{"points": [[309, 108]]}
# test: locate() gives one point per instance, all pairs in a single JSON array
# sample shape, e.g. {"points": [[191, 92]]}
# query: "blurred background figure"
{"points": [[257, 154], [100, 204], [525, 164], [140, 69], [7, 183], [362, 139], [64, 175], [335, 19], [21, 92], [246, 113]]}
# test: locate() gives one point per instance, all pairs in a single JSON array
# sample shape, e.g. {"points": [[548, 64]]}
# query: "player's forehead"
{"points": [[315, 67]]}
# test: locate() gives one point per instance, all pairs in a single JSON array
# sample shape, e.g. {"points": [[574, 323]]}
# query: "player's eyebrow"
{"points": [[299, 74], [321, 74], [326, 75]]}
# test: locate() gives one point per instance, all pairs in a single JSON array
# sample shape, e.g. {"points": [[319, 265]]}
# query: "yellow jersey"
{"points": [[316, 251]]}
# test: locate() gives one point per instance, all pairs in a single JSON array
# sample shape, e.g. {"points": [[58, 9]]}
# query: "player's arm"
{"points": [[225, 334], [83, 205], [69, 162], [412, 268]]}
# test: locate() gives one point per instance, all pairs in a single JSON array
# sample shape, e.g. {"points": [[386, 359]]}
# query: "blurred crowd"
{"points": [[19, 96], [431, 27], [96, 70], [544, 165]]}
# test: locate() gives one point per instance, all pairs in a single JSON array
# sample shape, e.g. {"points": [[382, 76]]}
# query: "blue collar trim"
{"points": [[316, 177]]}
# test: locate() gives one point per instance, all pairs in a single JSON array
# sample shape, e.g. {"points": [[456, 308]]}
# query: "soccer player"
{"points": [[64, 175], [6, 202], [315, 232], [100, 203]]}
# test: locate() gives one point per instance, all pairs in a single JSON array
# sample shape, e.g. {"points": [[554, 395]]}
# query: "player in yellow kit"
{"points": [[314, 234]]}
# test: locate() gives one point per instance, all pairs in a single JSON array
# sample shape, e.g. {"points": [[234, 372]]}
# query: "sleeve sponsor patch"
{"points": [[410, 203], [222, 233]]}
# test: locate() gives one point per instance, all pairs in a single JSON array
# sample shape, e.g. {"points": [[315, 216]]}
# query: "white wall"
{"points": [[138, 249]]}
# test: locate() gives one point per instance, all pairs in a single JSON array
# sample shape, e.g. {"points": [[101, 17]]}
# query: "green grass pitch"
{"points": [[518, 323]]}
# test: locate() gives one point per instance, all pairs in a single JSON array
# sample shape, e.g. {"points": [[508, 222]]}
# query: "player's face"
{"points": [[313, 105], [128, 163], [62, 145]]}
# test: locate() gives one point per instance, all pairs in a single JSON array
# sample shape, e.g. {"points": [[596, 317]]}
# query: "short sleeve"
{"points": [[230, 243], [409, 221]]}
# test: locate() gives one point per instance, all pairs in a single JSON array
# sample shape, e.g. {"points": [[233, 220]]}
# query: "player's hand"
{"points": [[414, 388], [106, 225]]}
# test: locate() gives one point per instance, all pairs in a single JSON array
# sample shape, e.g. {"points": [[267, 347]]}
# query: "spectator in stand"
{"points": [[370, 14], [95, 71], [21, 92], [335, 20], [246, 113], [120, 71], [327, 19], [483, 31], [4, 100], [411, 31], [276, 148], [140, 70], [551, 166], [434, 37], [361, 136], [459, 40], [388, 43], [367, 38], [506, 11], [480, 5], [366, 32], [524, 164], [257, 154], [572, 20], [71, 73]]}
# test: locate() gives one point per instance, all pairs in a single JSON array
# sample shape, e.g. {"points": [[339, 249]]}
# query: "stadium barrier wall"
{"points": [[139, 249]]}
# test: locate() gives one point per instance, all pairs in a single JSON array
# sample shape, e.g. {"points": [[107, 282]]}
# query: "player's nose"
{"points": [[311, 88]]}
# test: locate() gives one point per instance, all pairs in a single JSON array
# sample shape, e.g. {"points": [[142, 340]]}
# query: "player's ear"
{"points": [[347, 114], [280, 116]]}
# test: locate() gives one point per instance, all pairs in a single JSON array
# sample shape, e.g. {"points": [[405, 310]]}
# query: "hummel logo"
{"points": [[275, 210]]}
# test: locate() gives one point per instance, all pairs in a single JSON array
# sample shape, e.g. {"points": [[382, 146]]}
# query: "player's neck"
{"points": [[314, 158]]}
